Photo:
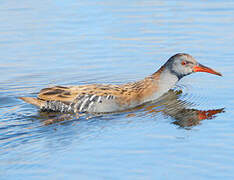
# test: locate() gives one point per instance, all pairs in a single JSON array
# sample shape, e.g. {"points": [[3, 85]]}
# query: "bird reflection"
{"points": [[169, 104], [179, 110]]}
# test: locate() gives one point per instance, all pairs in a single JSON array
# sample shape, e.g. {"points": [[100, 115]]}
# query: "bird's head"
{"points": [[184, 64]]}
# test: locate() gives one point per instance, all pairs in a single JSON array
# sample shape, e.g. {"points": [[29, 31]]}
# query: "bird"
{"points": [[108, 98]]}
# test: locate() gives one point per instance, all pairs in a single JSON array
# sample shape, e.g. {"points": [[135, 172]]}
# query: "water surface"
{"points": [[188, 133]]}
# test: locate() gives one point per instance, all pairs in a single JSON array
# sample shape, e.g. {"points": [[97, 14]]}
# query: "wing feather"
{"points": [[77, 98], [59, 93], [70, 93]]}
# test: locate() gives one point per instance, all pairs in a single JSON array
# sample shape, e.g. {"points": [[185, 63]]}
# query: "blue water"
{"points": [[46, 43]]}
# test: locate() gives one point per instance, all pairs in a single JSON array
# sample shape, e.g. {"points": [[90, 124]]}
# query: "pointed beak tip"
{"points": [[216, 73], [202, 68]]}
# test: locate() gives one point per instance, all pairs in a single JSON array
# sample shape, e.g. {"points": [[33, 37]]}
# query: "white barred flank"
{"points": [[82, 103], [56, 106]]}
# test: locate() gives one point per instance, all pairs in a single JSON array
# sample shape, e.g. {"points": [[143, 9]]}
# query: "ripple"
{"points": [[71, 42], [190, 94]]}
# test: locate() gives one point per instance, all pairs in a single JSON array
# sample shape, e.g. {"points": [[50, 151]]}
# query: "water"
{"points": [[46, 43]]}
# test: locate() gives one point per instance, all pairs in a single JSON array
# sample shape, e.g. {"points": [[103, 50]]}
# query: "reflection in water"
{"points": [[169, 104], [180, 111]]}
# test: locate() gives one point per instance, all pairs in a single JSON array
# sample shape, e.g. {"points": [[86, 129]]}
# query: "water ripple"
{"points": [[186, 133]]}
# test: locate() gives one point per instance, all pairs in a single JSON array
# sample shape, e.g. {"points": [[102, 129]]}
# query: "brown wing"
{"points": [[69, 94], [60, 98], [59, 93], [125, 93]]}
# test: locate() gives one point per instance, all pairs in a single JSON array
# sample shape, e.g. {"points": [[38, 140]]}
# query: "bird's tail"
{"points": [[33, 101]]}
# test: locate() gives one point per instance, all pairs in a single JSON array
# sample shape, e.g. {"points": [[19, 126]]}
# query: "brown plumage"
{"points": [[110, 98], [123, 94]]}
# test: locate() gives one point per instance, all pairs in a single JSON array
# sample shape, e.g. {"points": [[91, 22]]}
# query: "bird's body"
{"points": [[101, 98]]}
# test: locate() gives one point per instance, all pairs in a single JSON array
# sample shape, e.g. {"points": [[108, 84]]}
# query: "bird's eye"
{"points": [[183, 63]]}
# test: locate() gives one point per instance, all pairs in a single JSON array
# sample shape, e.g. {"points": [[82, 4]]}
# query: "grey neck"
{"points": [[167, 80]]}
